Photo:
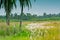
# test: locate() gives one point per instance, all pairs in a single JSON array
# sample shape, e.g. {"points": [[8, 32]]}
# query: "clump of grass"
{"points": [[13, 29]]}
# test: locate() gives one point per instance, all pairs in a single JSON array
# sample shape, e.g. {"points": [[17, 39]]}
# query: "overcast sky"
{"points": [[38, 7]]}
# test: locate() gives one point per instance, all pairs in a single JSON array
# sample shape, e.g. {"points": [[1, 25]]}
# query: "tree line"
{"points": [[29, 16]]}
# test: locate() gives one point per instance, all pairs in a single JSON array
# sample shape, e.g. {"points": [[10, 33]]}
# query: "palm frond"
{"points": [[25, 3], [1, 2]]}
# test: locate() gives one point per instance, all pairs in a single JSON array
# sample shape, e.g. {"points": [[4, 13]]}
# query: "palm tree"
{"points": [[24, 3], [8, 6]]}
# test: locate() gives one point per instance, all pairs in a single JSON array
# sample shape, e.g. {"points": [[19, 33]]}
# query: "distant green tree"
{"points": [[59, 14], [23, 16], [15, 16], [44, 14], [35, 15], [54, 15], [11, 16], [29, 16], [50, 15]]}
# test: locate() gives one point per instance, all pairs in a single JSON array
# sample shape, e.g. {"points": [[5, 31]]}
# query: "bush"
{"points": [[24, 33], [2, 32]]}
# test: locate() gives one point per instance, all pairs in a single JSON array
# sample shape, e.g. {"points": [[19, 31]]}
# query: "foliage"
{"points": [[29, 17]]}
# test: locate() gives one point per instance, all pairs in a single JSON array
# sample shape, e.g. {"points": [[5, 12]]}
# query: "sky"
{"points": [[39, 7]]}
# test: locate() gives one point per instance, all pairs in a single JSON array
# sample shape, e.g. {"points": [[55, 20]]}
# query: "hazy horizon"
{"points": [[39, 7]]}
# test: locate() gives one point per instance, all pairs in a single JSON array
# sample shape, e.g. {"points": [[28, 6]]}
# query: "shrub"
{"points": [[2, 32]]}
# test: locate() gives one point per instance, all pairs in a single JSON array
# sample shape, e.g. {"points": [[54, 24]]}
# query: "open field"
{"points": [[42, 30]]}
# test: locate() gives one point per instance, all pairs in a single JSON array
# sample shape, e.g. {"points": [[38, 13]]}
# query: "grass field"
{"points": [[41, 30]]}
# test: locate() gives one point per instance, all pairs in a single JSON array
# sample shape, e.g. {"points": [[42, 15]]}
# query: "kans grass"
{"points": [[46, 30]]}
